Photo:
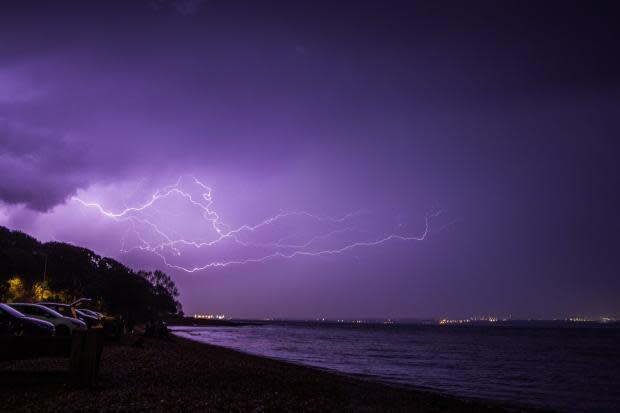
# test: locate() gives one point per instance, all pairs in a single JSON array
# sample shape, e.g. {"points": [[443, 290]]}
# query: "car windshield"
{"points": [[53, 312], [24, 309], [83, 313], [11, 311], [89, 312], [60, 308], [44, 309]]}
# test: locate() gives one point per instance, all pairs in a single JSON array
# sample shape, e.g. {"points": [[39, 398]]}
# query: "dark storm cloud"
{"points": [[38, 168]]}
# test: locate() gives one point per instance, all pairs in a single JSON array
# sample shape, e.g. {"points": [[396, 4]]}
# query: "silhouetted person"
{"points": [[162, 329], [129, 325], [150, 329]]}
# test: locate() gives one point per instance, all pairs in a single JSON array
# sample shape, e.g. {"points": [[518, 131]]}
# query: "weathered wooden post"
{"points": [[86, 348]]}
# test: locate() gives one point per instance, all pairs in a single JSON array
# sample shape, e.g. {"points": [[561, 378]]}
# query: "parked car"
{"points": [[64, 325], [112, 327], [68, 310], [91, 320], [91, 313], [22, 336]]}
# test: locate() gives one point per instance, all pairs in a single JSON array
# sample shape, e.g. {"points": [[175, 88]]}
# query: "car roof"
{"points": [[80, 301], [11, 310], [83, 313], [49, 310]]}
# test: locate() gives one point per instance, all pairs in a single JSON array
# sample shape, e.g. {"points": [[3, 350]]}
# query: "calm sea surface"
{"points": [[567, 369]]}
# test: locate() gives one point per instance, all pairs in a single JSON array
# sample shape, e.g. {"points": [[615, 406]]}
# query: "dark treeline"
{"points": [[72, 272]]}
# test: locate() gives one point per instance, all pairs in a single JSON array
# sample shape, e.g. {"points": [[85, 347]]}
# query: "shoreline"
{"points": [[185, 375], [327, 370], [504, 406]]}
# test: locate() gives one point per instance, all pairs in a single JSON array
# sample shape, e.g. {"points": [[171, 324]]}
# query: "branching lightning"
{"points": [[152, 235]]}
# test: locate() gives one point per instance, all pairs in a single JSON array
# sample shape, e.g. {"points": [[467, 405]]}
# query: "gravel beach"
{"points": [[181, 375]]}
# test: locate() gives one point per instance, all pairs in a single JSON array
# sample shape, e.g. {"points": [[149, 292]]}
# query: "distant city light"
{"points": [[210, 316], [489, 319], [494, 319]]}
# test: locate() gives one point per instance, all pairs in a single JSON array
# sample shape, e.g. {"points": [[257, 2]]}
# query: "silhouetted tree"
{"points": [[165, 291], [74, 272]]}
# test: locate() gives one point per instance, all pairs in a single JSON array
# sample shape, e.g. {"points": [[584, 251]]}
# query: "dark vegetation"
{"points": [[54, 271]]}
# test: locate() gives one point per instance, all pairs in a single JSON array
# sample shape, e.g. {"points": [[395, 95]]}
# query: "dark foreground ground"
{"points": [[180, 375]]}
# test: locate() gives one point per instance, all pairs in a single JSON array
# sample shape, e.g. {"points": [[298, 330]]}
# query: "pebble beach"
{"points": [[170, 375]]}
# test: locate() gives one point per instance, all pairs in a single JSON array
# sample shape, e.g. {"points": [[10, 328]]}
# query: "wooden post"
{"points": [[86, 348]]}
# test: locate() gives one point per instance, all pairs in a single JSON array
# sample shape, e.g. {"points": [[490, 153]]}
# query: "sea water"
{"points": [[566, 369]]}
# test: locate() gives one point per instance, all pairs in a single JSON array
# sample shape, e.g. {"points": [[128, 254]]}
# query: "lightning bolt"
{"points": [[167, 243]]}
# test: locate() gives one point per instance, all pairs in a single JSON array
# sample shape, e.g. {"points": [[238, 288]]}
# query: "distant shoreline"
{"points": [[200, 322], [525, 324]]}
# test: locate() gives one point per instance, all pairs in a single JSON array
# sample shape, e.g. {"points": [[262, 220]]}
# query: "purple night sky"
{"points": [[328, 133]]}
